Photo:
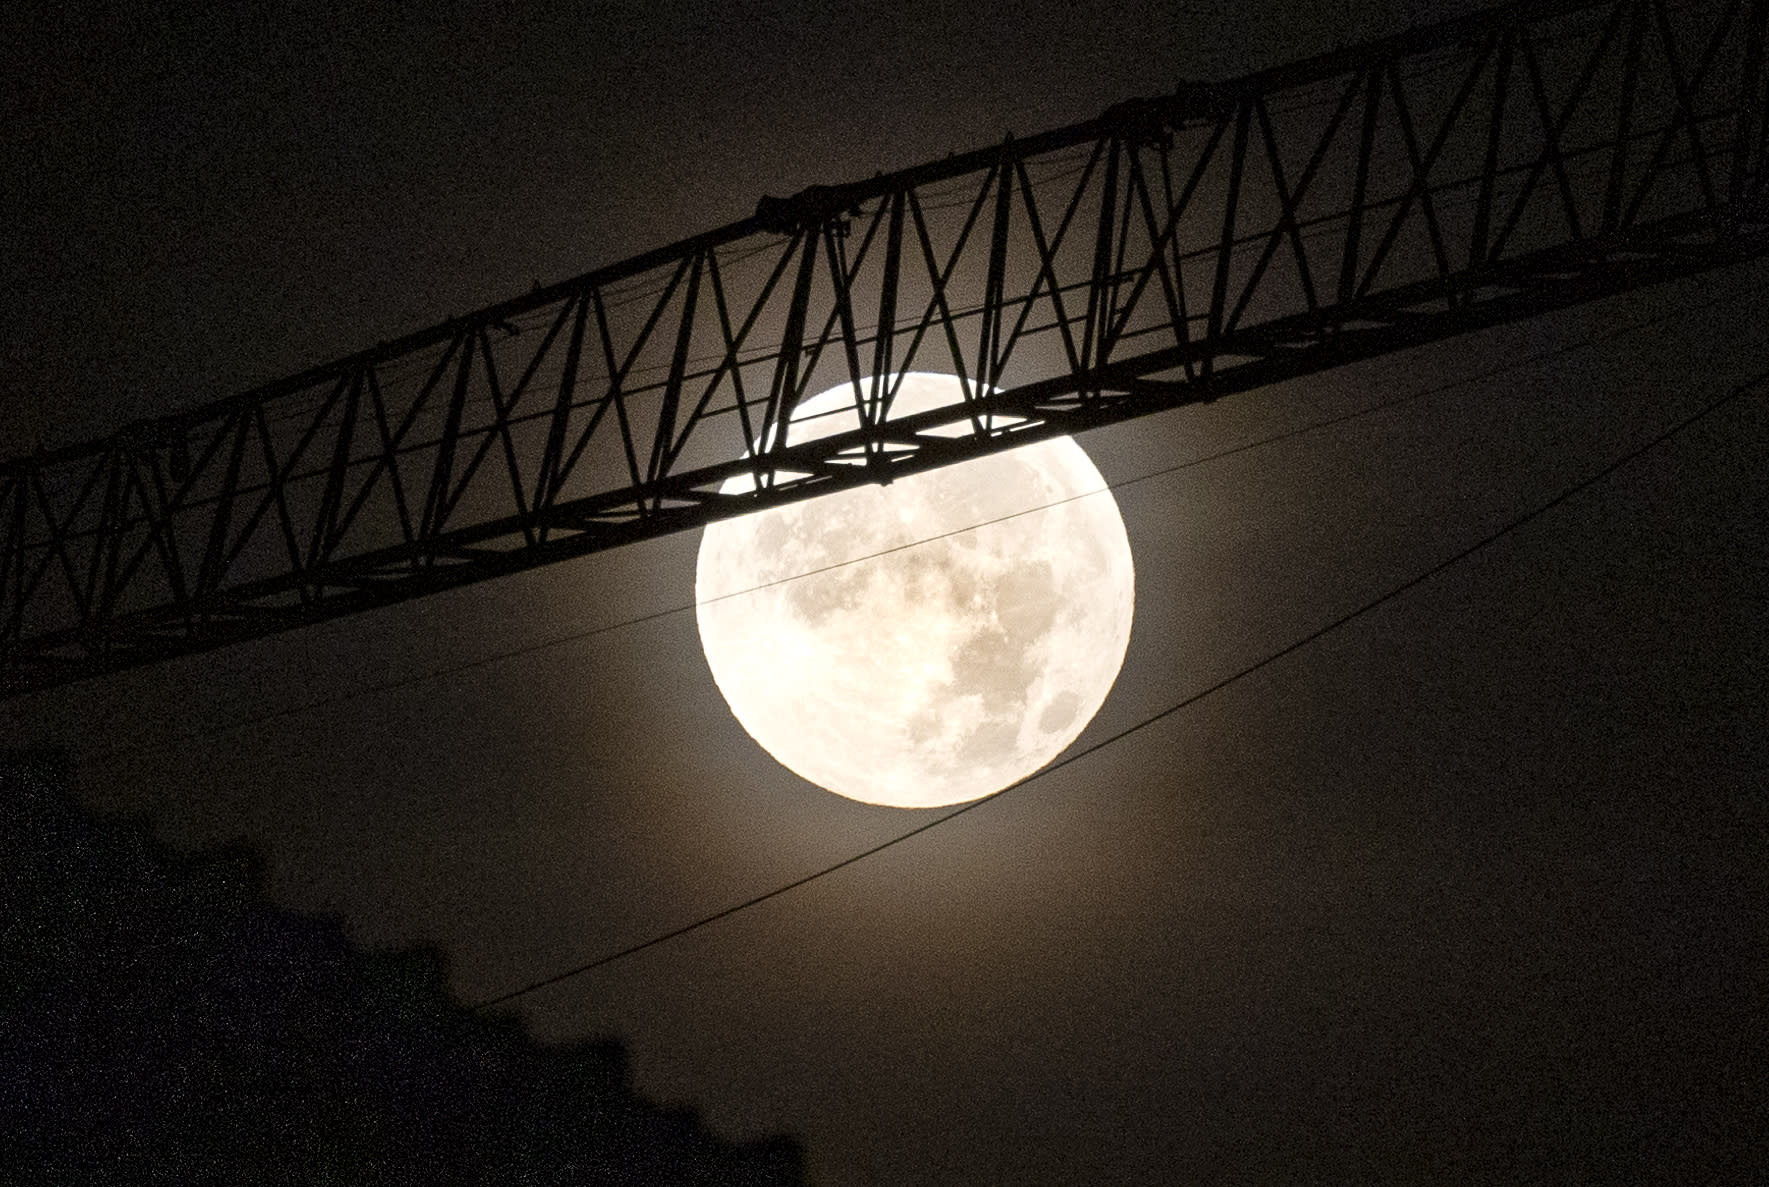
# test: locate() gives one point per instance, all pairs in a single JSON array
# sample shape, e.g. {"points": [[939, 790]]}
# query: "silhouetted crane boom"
{"points": [[1175, 249]]}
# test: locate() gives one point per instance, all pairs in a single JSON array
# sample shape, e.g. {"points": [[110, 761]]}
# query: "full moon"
{"points": [[930, 641]]}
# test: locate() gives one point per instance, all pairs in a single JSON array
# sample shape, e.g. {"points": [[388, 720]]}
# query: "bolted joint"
{"points": [[1153, 121], [813, 206], [1205, 101], [166, 435], [1142, 121]]}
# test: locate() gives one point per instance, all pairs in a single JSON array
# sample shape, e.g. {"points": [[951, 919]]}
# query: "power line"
{"points": [[1075, 756], [407, 681]]}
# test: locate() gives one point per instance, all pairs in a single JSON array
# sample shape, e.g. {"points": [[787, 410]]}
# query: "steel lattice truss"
{"points": [[1172, 250]]}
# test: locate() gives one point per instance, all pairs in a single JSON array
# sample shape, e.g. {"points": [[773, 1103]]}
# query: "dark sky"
{"points": [[1472, 888]]}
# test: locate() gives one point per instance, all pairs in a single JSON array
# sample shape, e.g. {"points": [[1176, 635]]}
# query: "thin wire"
{"points": [[1160, 715], [398, 682]]}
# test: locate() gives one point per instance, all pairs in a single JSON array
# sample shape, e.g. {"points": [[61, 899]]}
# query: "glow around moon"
{"points": [[927, 642]]}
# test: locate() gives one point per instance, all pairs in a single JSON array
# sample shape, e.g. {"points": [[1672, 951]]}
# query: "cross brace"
{"points": [[1173, 250]]}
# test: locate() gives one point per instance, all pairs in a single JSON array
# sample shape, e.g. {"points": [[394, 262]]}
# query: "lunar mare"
{"points": [[930, 641]]}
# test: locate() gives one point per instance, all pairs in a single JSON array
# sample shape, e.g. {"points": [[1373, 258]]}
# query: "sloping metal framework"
{"points": [[1173, 250]]}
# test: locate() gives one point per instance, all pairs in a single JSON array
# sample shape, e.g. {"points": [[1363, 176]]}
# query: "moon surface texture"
{"points": [[930, 641]]}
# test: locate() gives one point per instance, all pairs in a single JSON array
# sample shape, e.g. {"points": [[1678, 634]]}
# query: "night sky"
{"points": [[1472, 888]]}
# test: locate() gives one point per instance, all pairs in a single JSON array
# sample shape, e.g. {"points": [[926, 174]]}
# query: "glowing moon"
{"points": [[883, 645]]}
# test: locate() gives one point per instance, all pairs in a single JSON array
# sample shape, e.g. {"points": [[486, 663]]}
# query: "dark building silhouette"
{"points": [[162, 1022]]}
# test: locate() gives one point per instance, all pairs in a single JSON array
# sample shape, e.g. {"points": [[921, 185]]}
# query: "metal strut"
{"points": [[1175, 249]]}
